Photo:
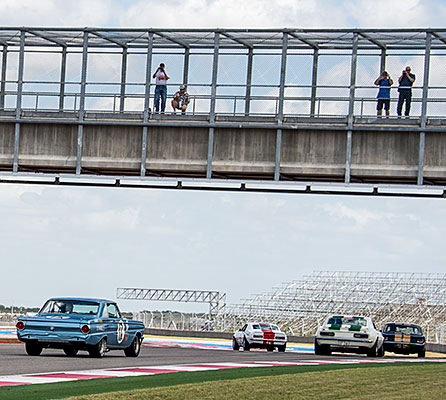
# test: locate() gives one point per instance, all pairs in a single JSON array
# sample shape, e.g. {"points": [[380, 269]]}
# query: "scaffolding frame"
{"points": [[300, 306], [216, 300]]}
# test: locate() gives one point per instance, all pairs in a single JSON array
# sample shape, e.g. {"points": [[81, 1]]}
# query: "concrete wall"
{"points": [[377, 156]]}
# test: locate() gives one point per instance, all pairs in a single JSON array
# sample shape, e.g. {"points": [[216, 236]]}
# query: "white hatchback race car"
{"points": [[349, 334], [259, 335]]}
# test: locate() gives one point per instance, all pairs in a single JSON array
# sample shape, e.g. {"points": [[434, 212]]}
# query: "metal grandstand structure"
{"points": [[216, 300], [300, 306]]}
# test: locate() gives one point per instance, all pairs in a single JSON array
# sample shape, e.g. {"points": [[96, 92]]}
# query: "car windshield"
{"points": [[70, 307], [416, 330], [339, 320]]}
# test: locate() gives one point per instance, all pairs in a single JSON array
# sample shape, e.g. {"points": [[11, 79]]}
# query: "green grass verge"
{"points": [[10, 341], [366, 381]]}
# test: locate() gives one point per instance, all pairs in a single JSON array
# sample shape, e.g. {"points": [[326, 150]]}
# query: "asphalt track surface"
{"points": [[14, 360]]}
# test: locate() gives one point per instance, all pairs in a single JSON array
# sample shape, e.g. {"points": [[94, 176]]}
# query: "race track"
{"points": [[16, 361]]}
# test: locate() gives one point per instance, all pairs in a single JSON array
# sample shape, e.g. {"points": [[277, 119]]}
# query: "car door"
{"points": [[240, 335], [111, 317]]}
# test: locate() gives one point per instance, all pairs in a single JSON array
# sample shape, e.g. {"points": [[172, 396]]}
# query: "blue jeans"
{"points": [[160, 93], [405, 96]]}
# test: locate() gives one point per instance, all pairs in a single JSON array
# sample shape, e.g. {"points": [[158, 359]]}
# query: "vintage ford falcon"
{"points": [[404, 338], [74, 324], [259, 335], [349, 334]]}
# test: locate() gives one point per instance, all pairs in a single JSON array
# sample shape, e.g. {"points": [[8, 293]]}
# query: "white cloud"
{"points": [[57, 13]]}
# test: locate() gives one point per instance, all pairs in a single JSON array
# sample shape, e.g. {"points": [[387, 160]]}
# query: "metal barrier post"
{"points": [[422, 143], [18, 114], [146, 105]]}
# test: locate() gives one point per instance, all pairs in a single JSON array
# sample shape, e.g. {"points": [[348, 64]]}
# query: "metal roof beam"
{"points": [[307, 42], [236, 39], [374, 41], [438, 36], [105, 37], [177, 41], [48, 38]]}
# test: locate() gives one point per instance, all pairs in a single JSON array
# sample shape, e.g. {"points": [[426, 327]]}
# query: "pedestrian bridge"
{"points": [[266, 112]]}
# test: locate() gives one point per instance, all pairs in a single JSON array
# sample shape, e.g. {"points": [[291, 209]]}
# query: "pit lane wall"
{"points": [[434, 347], [381, 152]]}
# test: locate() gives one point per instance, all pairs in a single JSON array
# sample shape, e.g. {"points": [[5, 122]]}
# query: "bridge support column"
{"points": [[63, 72], [80, 130], [424, 108], [18, 115], [348, 157], [123, 79], [145, 129], [281, 106], [3, 77], [212, 110], [278, 154], [351, 108], [249, 81], [314, 82]]}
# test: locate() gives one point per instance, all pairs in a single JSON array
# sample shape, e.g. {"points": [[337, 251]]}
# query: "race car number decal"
{"points": [[121, 331]]}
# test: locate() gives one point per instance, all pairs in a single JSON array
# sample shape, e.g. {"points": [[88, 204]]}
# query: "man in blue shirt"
{"points": [[384, 81], [406, 81]]}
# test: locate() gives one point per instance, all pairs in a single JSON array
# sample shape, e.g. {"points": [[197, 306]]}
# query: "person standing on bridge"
{"points": [[406, 81], [161, 78], [384, 81]]}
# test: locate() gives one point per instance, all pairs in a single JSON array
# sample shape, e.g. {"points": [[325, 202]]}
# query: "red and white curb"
{"points": [[67, 376]]}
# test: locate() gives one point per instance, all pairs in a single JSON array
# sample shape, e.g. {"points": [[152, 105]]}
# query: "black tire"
{"points": [[422, 353], [235, 345], [134, 349], [281, 349], [98, 350], [380, 352], [372, 351], [33, 348], [321, 349], [70, 351], [246, 346]]}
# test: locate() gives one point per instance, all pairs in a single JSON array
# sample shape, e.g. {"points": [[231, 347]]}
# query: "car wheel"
{"points": [[380, 352], [246, 346], [372, 351], [70, 351], [281, 349], [321, 350], [422, 353], [98, 350], [33, 348], [235, 345], [134, 349]]}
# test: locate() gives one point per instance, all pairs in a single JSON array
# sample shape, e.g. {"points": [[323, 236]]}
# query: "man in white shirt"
{"points": [[161, 78]]}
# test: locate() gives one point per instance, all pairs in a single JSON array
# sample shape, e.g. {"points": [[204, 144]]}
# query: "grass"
{"points": [[10, 340], [397, 381]]}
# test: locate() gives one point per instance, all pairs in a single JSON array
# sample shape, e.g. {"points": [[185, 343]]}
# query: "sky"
{"points": [[88, 242]]}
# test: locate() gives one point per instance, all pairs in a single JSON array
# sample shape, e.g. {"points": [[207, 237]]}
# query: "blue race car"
{"points": [[74, 324]]}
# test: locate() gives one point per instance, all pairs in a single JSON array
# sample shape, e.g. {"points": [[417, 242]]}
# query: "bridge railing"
{"points": [[297, 101]]}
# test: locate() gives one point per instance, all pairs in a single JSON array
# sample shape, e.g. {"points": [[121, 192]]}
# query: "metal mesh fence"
{"points": [[250, 69]]}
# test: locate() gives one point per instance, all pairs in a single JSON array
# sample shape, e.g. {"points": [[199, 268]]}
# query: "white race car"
{"points": [[259, 335], [349, 334]]}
